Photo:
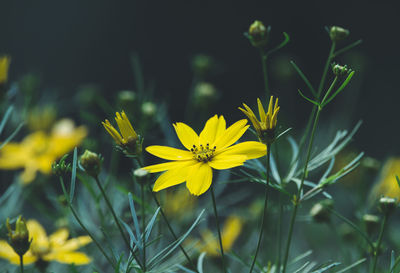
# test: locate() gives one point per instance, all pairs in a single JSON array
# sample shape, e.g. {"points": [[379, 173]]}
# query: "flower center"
{"points": [[203, 153]]}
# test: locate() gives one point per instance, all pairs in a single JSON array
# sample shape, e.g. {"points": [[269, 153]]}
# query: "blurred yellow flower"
{"points": [[179, 202], [4, 65], [212, 149], [39, 150], [56, 247], [127, 138], [266, 126], [387, 184], [230, 232]]}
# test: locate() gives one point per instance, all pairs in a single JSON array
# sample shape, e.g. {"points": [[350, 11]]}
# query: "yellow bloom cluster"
{"points": [[56, 247], [39, 150], [387, 184], [4, 65]]}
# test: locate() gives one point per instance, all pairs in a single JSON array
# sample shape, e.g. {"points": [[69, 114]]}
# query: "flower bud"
{"points": [[387, 204], [372, 223], [320, 212], [126, 99], [340, 70], [202, 64], [141, 175], [91, 163], [258, 34], [19, 238], [204, 94], [149, 109], [61, 168], [338, 33]]}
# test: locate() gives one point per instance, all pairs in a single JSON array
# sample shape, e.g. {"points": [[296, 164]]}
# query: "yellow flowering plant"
{"points": [[56, 247], [212, 149]]}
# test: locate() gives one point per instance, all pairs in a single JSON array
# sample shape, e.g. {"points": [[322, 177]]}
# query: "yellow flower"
{"points": [[266, 126], [4, 65], [39, 150], [128, 137], [229, 234], [56, 247], [387, 184], [180, 202], [211, 149]]}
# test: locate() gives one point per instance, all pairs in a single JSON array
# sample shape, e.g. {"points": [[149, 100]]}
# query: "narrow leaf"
{"points": [[73, 176], [304, 78]]}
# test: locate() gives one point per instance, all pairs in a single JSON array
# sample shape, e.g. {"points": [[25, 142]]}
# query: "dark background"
{"points": [[70, 43]]}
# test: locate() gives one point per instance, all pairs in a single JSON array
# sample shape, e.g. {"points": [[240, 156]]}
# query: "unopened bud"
{"points": [[372, 223], [387, 204], [258, 34], [61, 168], [91, 163], [19, 238], [320, 212], [338, 33], [202, 64], [149, 109], [205, 94], [340, 70], [141, 175], [126, 99]]}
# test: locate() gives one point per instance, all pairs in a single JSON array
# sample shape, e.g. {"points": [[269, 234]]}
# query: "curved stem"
{"points": [[218, 229], [265, 209], [116, 219], [172, 231], [378, 245]]}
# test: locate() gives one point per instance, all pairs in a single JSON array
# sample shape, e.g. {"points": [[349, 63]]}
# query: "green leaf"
{"points": [[282, 44], [308, 99], [346, 48], [73, 176], [5, 118], [10, 137], [398, 181], [200, 262], [306, 81], [352, 265], [344, 84]]}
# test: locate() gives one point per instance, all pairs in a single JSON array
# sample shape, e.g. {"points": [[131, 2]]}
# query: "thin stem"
{"points": [[143, 227], [354, 226], [116, 219], [279, 247], [218, 229], [264, 69], [265, 208], [171, 230], [296, 202], [378, 244], [21, 263]]}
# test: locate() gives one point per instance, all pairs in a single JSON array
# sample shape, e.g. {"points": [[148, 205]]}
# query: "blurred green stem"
{"points": [[378, 244], [265, 208], [116, 219], [279, 247], [83, 226], [21, 263], [218, 229], [143, 226], [171, 230], [297, 197], [264, 57]]}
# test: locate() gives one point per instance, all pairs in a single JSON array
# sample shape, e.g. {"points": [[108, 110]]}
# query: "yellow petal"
{"points": [[261, 110], [113, 132], [214, 128], [77, 258], [232, 228], [232, 134], [252, 118], [128, 126], [74, 244], [186, 135], [29, 174], [221, 162], [59, 237], [8, 253], [171, 178], [169, 165], [37, 234], [199, 178], [251, 149], [169, 153], [271, 102]]}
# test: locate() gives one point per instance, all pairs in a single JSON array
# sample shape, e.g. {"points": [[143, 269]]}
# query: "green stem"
{"points": [[354, 226], [218, 229], [279, 247], [83, 226], [265, 209], [296, 202], [21, 263], [264, 69], [116, 219], [171, 230], [143, 227], [378, 245]]}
